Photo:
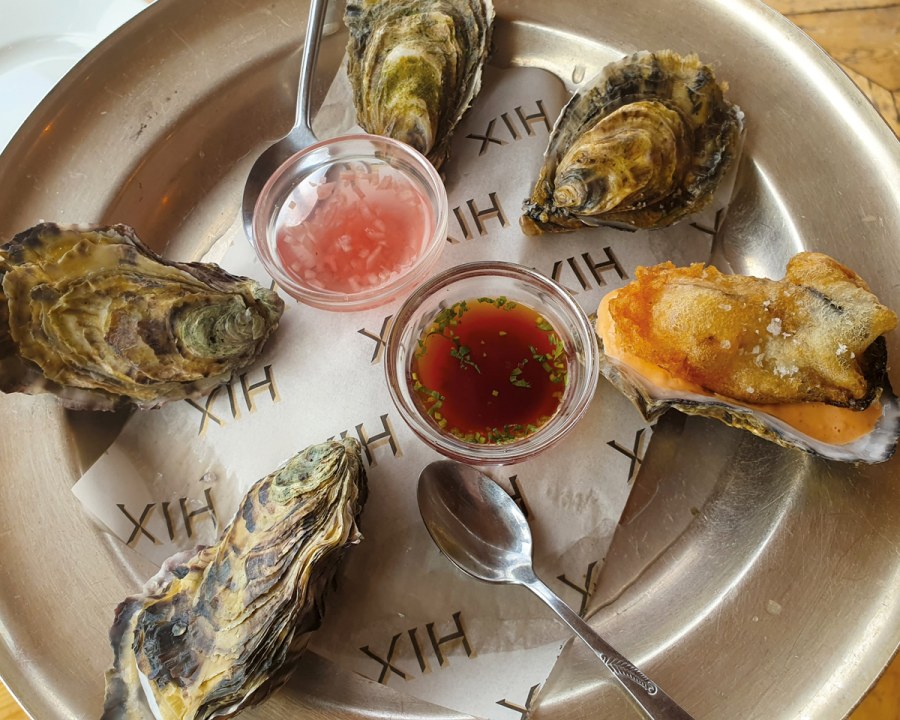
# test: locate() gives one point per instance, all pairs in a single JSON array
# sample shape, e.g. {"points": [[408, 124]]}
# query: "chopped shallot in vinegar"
{"points": [[355, 232]]}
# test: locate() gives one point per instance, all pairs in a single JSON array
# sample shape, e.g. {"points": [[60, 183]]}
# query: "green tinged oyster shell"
{"points": [[642, 145], [415, 67], [219, 629], [94, 316]]}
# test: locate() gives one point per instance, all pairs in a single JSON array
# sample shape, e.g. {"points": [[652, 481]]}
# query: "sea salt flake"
{"points": [[786, 370], [726, 344], [841, 349], [774, 327]]}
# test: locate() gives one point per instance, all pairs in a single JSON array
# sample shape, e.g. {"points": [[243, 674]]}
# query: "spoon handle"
{"points": [[647, 694], [314, 24]]}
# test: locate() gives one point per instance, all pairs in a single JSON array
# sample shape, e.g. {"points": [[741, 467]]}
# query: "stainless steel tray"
{"points": [[753, 582]]}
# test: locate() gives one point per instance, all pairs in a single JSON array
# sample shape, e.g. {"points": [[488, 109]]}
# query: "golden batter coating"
{"points": [[799, 339]]}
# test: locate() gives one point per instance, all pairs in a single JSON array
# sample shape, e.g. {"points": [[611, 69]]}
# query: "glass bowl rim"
{"points": [[504, 453], [371, 297]]}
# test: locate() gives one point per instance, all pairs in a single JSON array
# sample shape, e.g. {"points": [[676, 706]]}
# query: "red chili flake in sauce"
{"points": [[489, 370], [355, 232]]}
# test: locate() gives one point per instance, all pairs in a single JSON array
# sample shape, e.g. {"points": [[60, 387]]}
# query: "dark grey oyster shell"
{"points": [[642, 145], [219, 629]]}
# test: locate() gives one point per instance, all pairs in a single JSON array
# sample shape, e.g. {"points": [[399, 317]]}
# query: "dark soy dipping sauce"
{"points": [[489, 370]]}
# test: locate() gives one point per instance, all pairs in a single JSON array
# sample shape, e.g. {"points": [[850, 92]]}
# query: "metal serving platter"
{"points": [[750, 581]]}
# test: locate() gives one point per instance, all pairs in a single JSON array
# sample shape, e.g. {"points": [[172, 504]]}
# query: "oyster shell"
{"points": [[92, 315], [415, 67], [218, 629], [801, 361], [642, 145]]}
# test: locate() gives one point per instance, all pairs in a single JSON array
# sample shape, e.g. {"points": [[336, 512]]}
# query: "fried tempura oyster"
{"points": [[800, 361]]}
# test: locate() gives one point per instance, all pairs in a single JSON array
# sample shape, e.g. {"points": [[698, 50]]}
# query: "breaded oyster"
{"points": [[92, 315], [774, 357], [219, 629]]}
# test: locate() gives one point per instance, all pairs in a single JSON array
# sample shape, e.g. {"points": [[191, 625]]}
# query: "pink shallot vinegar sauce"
{"points": [[356, 231]]}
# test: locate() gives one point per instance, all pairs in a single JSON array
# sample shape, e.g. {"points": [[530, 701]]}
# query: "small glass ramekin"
{"points": [[519, 284], [313, 163]]}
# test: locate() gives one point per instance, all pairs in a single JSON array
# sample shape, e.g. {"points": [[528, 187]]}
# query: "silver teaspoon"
{"points": [[301, 135], [483, 532]]}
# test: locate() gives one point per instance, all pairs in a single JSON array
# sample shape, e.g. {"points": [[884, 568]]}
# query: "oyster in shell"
{"points": [[801, 361], [642, 145], [218, 629], [92, 315], [415, 67]]}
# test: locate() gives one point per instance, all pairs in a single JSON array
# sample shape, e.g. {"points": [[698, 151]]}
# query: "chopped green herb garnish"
{"points": [[514, 378], [543, 324], [461, 353], [498, 347], [501, 302]]}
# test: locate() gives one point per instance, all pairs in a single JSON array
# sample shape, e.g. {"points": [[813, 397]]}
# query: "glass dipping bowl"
{"points": [[321, 186], [516, 283]]}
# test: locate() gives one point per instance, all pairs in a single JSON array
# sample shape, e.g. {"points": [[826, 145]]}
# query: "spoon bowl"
{"points": [[491, 546], [479, 527]]}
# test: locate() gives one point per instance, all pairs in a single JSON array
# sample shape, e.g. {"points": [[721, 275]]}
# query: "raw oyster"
{"points": [[92, 315], [801, 361], [642, 145], [218, 629], [415, 67]]}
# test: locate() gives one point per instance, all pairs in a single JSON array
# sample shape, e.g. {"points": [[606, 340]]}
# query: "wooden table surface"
{"points": [[863, 36]]}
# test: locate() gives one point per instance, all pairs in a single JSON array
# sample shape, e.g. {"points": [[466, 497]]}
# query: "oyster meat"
{"points": [[218, 629], [800, 361], [642, 145], [92, 315], [415, 67]]}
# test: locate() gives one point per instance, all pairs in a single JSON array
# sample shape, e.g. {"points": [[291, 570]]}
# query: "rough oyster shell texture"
{"points": [[415, 67], [738, 348], [642, 145], [92, 315], [217, 630]]}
